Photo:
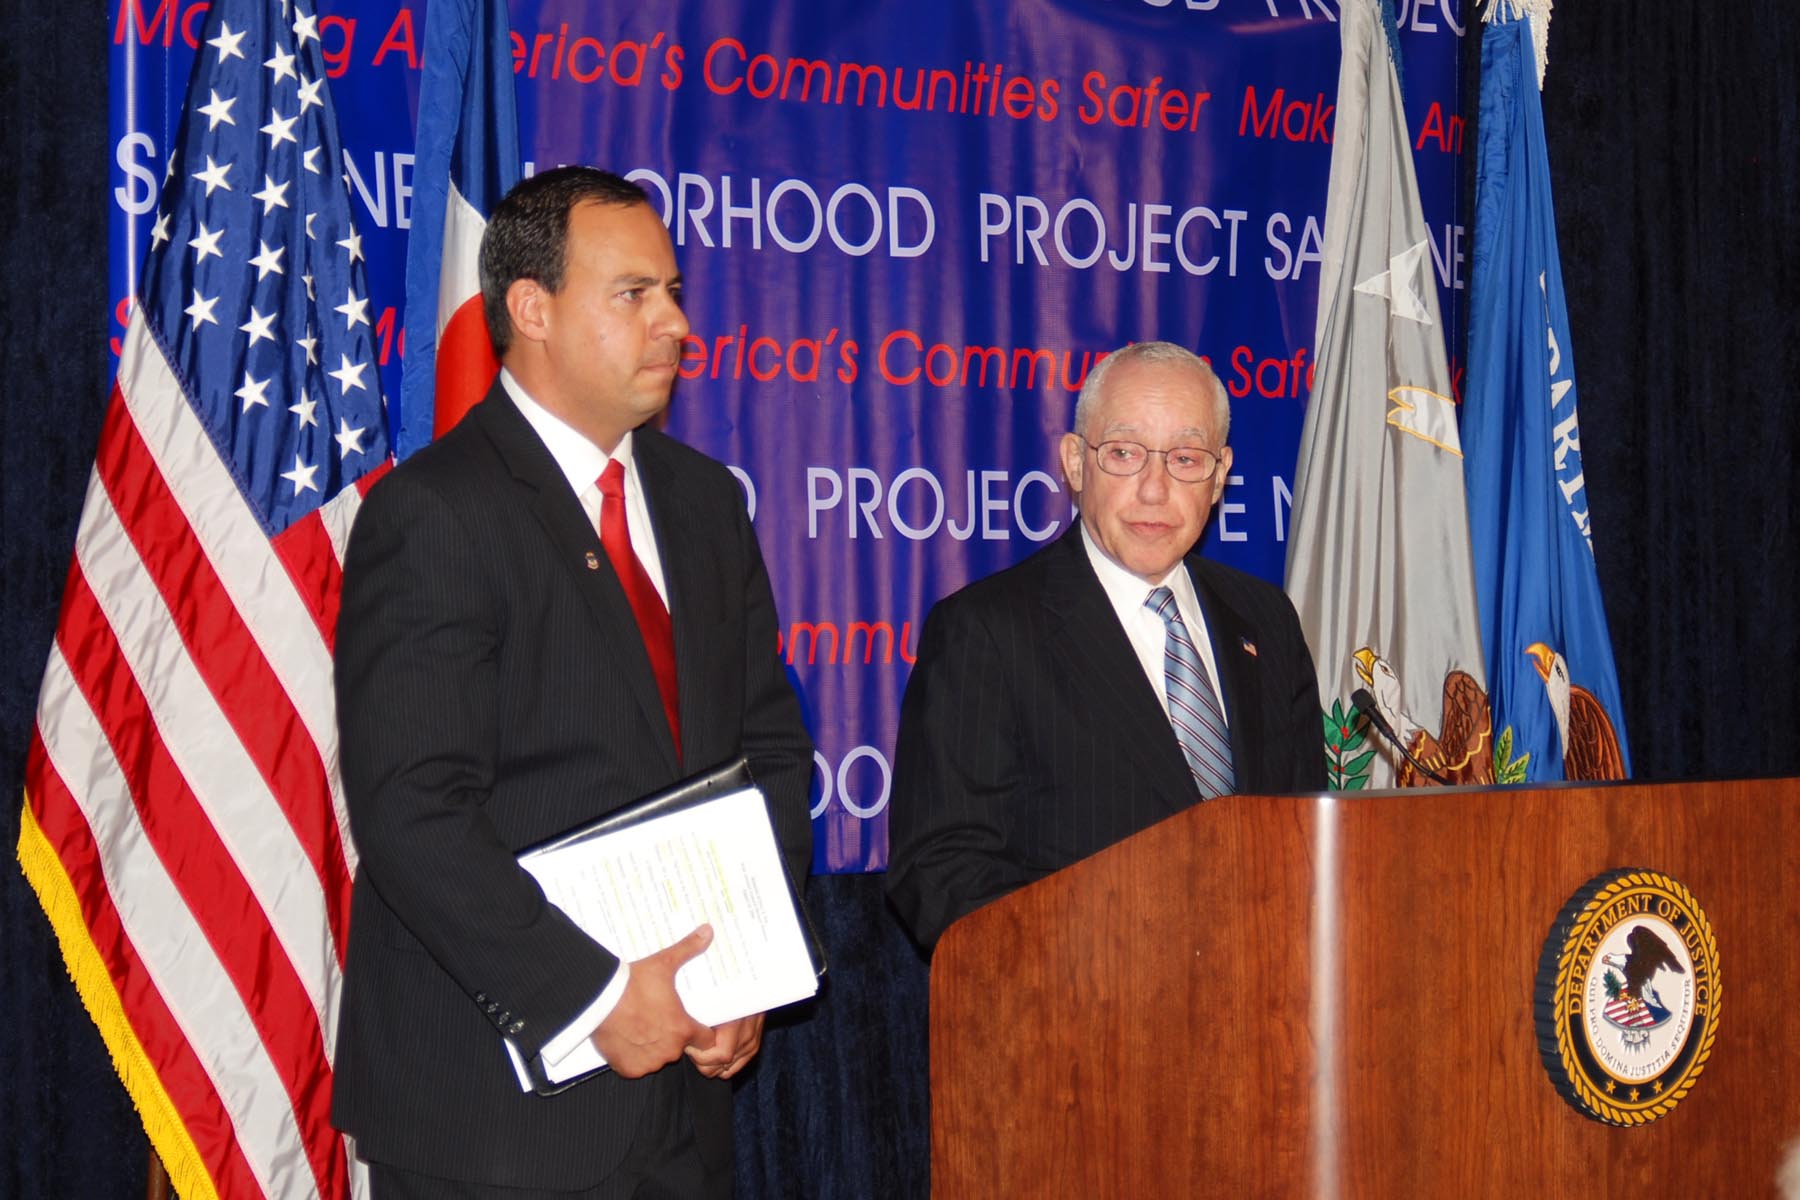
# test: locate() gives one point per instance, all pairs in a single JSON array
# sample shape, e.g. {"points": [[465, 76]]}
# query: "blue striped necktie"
{"points": [[1193, 706]]}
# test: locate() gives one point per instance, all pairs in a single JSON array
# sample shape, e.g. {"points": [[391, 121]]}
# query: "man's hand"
{"points": [[648, 1029], [736, 1044]]}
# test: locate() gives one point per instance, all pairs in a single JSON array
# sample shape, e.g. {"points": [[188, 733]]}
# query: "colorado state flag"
{"points": [[1551, 680]]}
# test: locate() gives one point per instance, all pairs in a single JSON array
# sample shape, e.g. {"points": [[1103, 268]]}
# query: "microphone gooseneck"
{"points": [[1364, 703]]}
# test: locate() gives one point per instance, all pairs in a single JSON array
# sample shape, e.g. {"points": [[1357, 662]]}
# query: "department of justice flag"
{"points": [[1554, 689]]}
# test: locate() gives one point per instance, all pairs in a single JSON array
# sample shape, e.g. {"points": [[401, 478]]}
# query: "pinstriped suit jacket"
{"points": [[493, 690], [1030, 738]]}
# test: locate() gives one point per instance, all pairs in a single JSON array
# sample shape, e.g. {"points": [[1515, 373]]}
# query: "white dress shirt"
{"points": [[1146, 630], [581, 463]]}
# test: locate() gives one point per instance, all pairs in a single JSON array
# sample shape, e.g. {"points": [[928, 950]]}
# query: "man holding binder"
{"points": [[548, 613]]}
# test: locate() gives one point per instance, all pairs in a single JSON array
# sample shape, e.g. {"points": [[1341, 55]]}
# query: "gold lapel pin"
{"points": [[593, 561]]}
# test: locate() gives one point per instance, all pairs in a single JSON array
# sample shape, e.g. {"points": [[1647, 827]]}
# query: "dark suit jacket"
{"points": [[1030, 737], [493, 691]]}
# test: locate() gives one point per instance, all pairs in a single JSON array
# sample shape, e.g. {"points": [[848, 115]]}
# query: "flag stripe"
{"points": [[232, 673], [204, 1127], [123, 636], [336, 518], [162, 928], [315, 569], [459, 276], [234, 540], [253, 984]]}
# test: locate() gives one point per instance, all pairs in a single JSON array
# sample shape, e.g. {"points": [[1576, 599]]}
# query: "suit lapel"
{"points": [[1093, 649], [1239, 662], [576, 548]]}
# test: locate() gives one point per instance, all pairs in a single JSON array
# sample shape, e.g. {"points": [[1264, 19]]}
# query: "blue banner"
{"points": [[907, 231], [1551, 680]]}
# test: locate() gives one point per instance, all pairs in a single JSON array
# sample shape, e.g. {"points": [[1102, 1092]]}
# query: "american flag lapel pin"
{"points": [[1249, 646]]}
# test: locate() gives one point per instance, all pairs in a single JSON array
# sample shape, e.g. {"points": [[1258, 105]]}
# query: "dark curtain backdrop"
{"points": [[1675, 150], [1674, 147], [69, 1130]]}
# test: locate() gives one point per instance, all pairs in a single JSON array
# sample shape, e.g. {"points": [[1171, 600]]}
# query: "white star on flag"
{"points": [[355, 309], [258, 326], [201, 310], [306, 25], [280, 129], [267, 259], [309, 93], [348, 375], [353, 243], [206, 243], [1399, 285], [227, 43], [301, 476], [349, 440], [253, 393], [273, 195], [218, 110], [304, 410], [283, 66], [214, 175]]}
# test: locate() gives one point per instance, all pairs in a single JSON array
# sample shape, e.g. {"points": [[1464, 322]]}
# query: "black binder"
{"points": [[722, 780]]}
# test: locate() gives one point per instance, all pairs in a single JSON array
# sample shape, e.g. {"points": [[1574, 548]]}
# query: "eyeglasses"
{"points": [[1188, 464]]}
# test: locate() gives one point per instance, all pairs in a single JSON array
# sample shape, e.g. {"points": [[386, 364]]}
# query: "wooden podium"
{"points": [[1333, 997]]}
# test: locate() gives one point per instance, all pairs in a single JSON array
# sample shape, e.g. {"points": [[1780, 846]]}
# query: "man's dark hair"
{"points": [[528, 236]]}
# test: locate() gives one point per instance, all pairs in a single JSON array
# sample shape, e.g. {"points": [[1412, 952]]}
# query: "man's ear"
{"points": [[1220, 473], [525, 304], [1074, 460]]}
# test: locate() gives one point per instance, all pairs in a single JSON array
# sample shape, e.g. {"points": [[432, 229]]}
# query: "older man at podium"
{"points": [[1110, 680]]}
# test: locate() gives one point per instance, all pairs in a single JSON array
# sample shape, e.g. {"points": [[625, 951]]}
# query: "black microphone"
{"points": [[1364, 703]]}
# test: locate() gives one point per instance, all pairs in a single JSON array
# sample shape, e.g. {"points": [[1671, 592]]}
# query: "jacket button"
{"points": [[516, 1027]]}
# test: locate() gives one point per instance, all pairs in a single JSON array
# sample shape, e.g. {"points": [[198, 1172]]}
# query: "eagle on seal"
{"points": [[1590, 746], [1462, 749]]}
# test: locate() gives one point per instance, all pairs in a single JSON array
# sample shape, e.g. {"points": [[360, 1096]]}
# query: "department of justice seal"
{"points": [[1628, 996]]}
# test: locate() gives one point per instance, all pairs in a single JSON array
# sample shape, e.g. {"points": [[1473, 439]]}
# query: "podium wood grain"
{"points": [[1150, 1021]]}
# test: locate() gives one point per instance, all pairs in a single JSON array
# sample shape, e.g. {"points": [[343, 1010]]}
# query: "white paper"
{"points": [[638, 889]]}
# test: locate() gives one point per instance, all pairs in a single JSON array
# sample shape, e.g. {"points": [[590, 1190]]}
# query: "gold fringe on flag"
{"points": [[162, 1122]]}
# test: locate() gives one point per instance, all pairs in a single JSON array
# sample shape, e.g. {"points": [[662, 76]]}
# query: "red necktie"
{"points": [[652, 617]]}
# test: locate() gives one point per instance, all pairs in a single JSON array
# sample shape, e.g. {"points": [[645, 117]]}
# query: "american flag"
{"points": [[184, 825]]}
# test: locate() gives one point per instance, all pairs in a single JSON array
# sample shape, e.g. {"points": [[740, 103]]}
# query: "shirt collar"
{"points": [[1128, 592], [579, 459]]}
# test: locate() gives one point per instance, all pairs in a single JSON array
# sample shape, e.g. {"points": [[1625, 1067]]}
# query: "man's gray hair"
{"points": [[1151, 353]]}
